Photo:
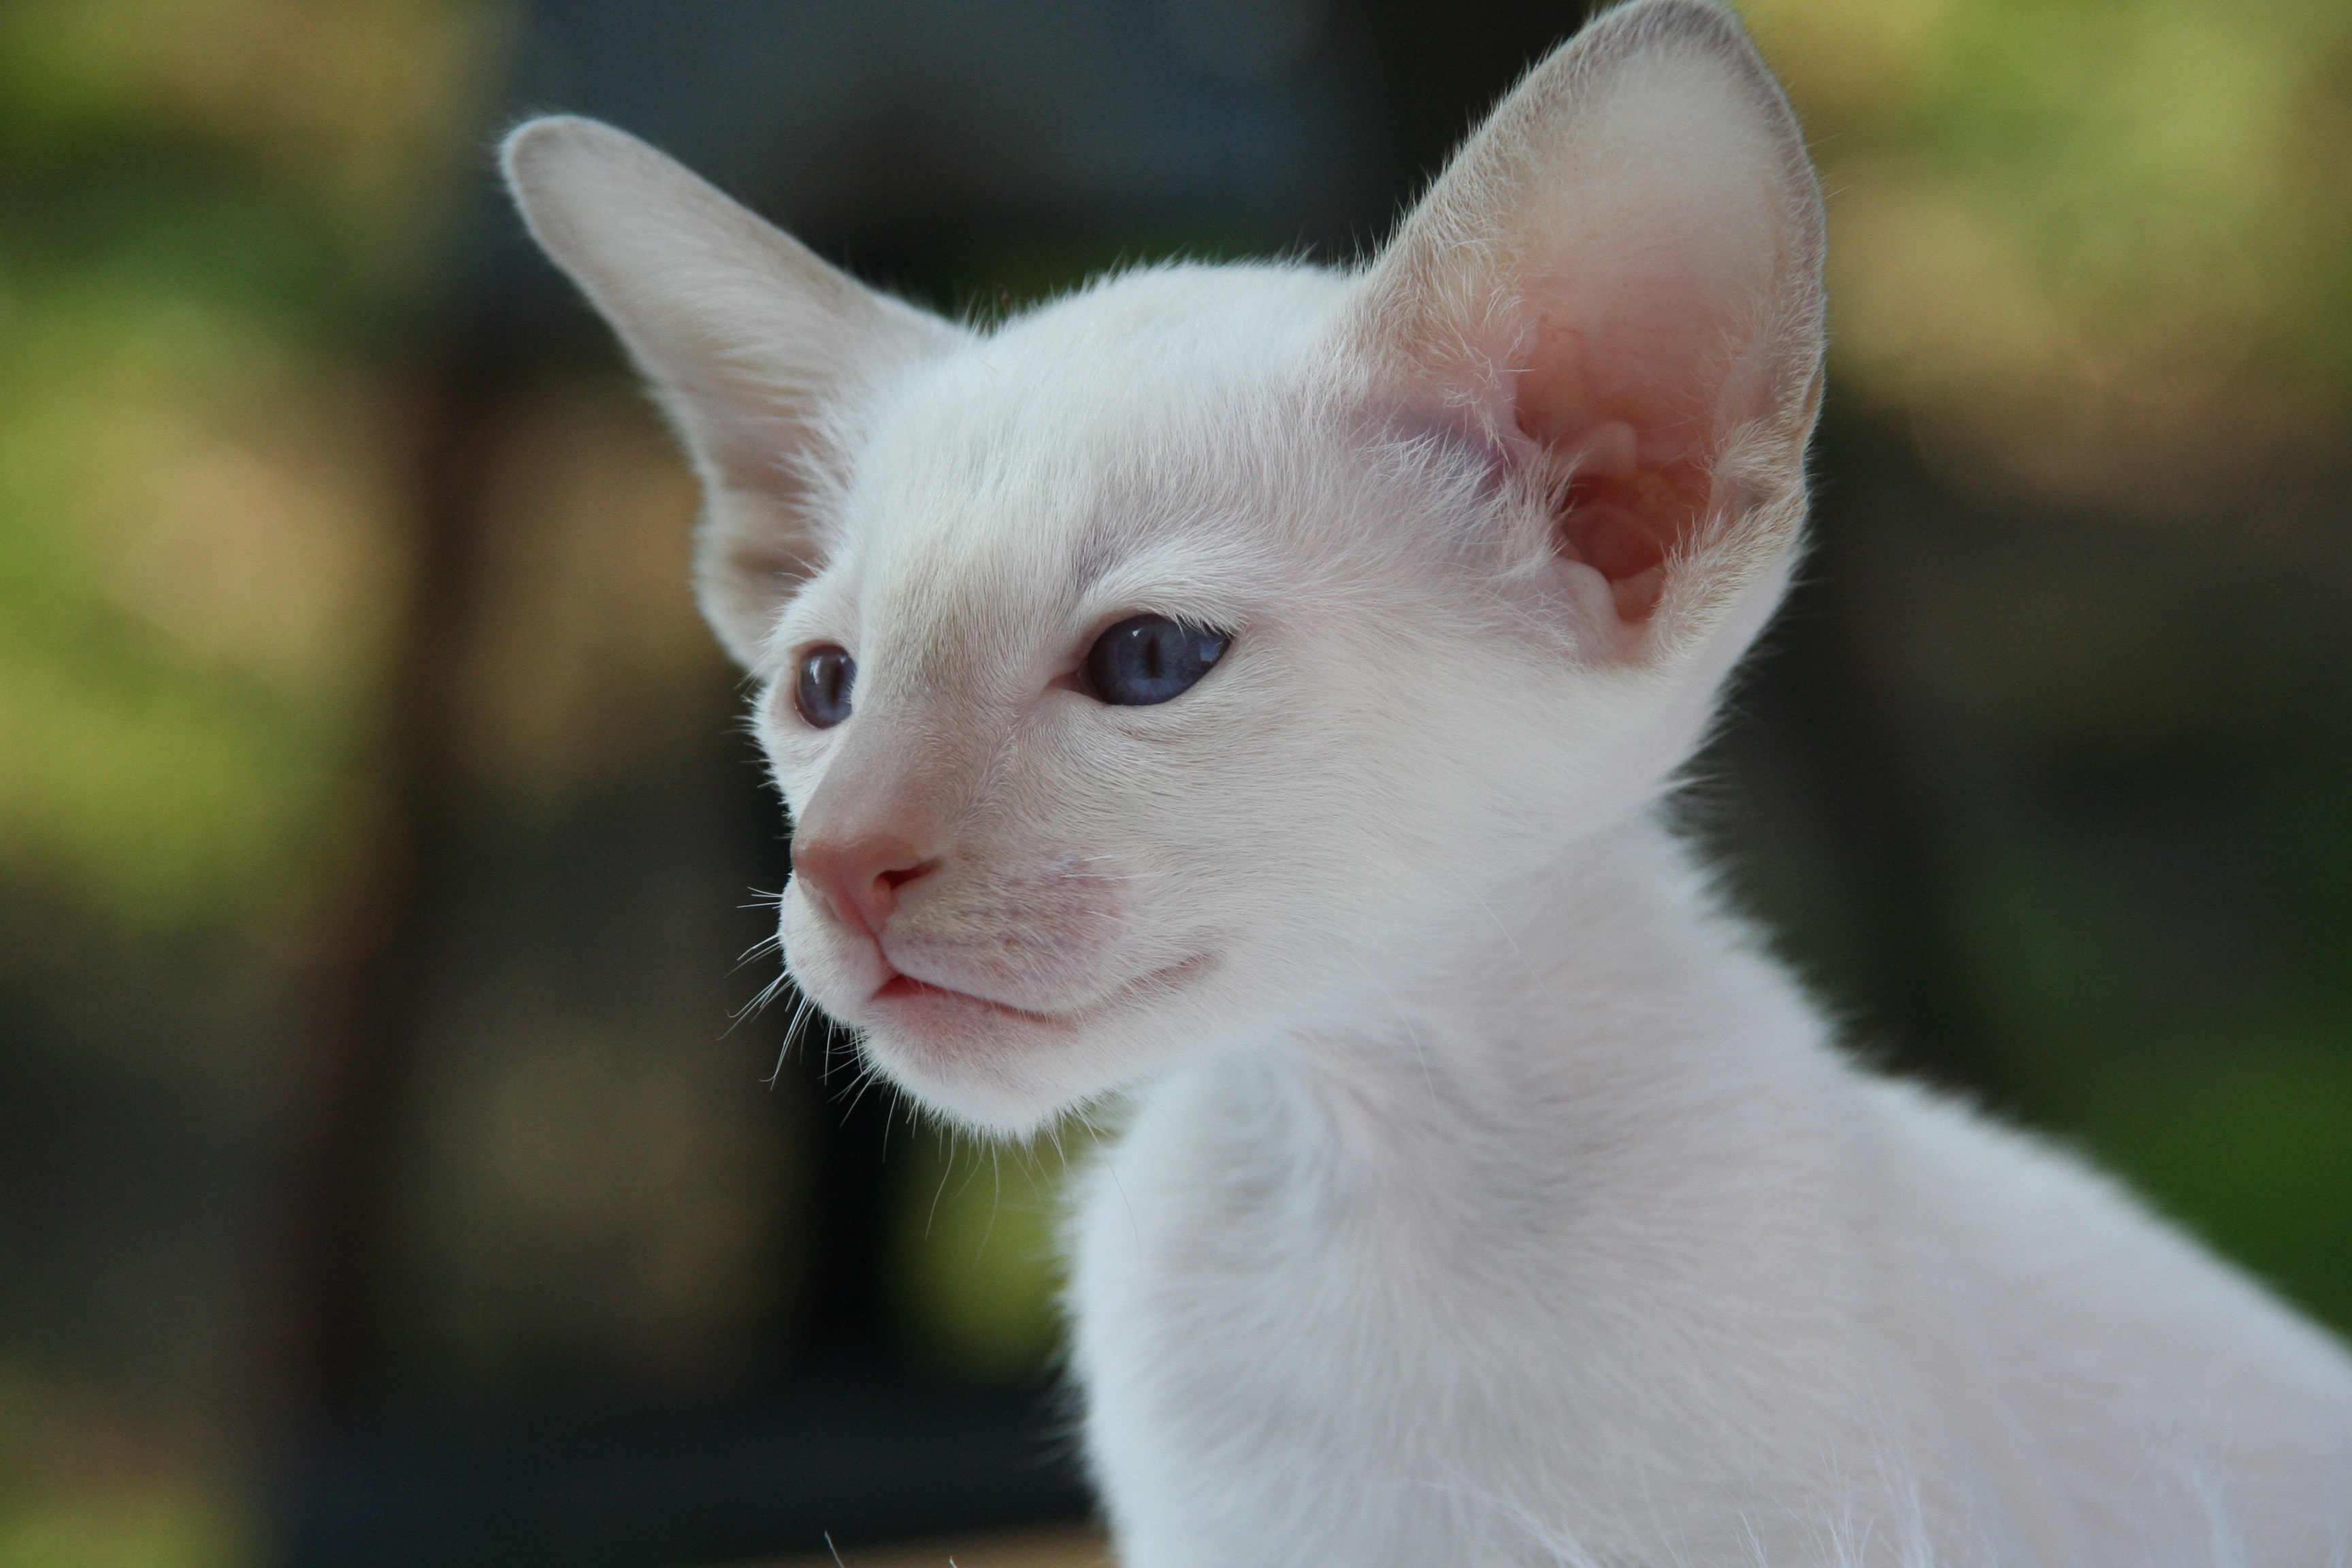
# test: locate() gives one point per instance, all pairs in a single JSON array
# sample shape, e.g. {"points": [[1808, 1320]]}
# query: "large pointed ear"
{"points": [[759, 350], [1615, 287]]}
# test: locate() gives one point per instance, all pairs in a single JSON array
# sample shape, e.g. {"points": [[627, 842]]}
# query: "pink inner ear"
{"points": [[1622, 399], [1626, 529]]}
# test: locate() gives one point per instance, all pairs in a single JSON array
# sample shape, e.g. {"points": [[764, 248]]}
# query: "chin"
{"points": [[1010, 1070], [979, 1062]]}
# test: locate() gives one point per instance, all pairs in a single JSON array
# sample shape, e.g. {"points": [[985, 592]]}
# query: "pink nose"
{"points": [[857, 880]]}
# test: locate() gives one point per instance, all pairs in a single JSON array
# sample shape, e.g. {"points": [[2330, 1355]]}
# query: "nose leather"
{"points": [[858, 878]]}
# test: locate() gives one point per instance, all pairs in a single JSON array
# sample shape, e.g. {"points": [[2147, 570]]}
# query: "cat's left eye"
{"points": [[1146, 660]]}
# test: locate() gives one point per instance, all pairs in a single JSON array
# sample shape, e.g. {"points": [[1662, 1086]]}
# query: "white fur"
{"points": [[1487, 1198]]}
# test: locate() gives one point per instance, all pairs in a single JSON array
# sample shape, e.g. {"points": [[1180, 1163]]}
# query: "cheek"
{"points": [[1356, 809], [796, 757], [1261, 827], [1028, 906]]}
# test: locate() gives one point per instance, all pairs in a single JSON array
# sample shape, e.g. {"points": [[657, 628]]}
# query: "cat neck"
{"points": [[1596, 1005]]}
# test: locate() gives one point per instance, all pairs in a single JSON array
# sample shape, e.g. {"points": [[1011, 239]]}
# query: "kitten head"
{"points": [[1170, 663]]}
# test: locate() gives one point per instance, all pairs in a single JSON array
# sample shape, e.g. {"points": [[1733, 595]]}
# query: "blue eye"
{"points": [[1150, 658], [826, 677]]}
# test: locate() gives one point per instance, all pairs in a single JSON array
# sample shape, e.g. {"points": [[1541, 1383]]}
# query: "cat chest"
{"points": [[1227, 1301], [1544, 1349]]}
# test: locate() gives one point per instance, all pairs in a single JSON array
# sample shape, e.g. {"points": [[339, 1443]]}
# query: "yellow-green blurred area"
{"points": [[2047, 788]]}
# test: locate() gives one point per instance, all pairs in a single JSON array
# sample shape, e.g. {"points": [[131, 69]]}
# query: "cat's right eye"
{"points": [[822, 695]]}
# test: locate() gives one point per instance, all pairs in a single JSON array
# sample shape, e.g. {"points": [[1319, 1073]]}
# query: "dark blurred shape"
{"points": [[913, 139], [849, 1461]]}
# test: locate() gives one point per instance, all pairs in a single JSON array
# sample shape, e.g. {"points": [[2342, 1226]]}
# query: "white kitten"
{"points": [[1264, 682]]}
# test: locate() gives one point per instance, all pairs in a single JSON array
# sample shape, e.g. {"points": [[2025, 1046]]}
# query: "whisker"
{"points": [[767, 993], [759, 949], [995, 1203], [867, 1078], [947, 1169]]}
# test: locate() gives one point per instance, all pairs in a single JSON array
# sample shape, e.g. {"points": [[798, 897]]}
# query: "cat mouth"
{"points": [[906, 988], [905, 992]]}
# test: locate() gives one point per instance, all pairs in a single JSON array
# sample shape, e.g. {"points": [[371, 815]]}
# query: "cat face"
{"points": [[1024, 893], [1458, 548]]}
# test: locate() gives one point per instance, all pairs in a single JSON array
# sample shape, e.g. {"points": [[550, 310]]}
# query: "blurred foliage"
{"points": [[244, 145], [215, 216], [145, 1529], [2104, 246], [2245, 1143], [82, 1487], [197, 569], [213, 210]]}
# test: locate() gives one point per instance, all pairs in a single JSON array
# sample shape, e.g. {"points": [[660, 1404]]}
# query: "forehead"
{"points": [[1114, 440]]}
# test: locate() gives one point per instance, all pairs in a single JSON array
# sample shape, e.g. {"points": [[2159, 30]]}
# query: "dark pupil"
{"points": [[1150, 658], [826, 676]]}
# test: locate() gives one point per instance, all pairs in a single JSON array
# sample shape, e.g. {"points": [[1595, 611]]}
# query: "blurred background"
{"points": [[392, 1166]]}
